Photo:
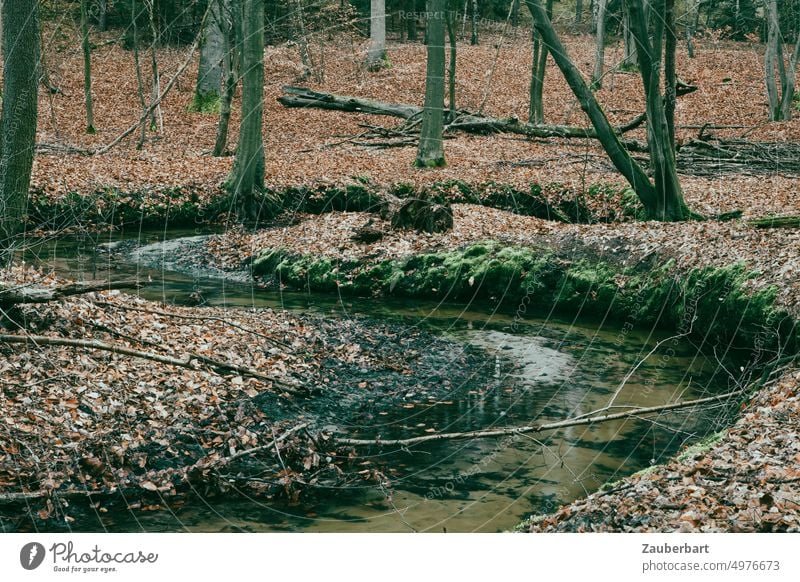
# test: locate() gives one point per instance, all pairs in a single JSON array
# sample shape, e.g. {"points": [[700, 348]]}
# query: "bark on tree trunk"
{"points": [[102, 15], [299, 28], [156, 119], [451, 70], [430, 152], [212, 54], [138, 69], [474, 38], [411, 20], [668, 203], [600, 43], [376, 56], [247, 176], [87, 67], [781, 100], [540, 52], [230, 15], [18, 124], [629, 60], [693, 14], [670, 71]]}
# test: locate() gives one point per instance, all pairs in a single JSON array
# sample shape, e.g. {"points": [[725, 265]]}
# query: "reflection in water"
{"points": [[543, 370]]}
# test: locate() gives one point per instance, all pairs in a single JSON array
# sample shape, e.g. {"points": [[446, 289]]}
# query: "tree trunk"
{"points": [[515, 13], [655, 206], [18, 124], [781, 100], [411, 20], [102, 15], [376, 56], [212, 54], [693, 14], [299, 30], [247, 176], [87, 67], [540, 52], [474, 38], [600, 43], [451, 70], [629, 59], [430, 152], [156, 120], [668, 203], [230, 15], [138, 69], [578, 12], [670, 71]]}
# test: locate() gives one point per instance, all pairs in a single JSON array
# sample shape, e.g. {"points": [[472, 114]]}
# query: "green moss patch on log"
{"points": [[710, 304]]}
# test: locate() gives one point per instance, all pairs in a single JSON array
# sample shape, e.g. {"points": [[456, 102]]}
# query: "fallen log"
{"points": [[536, 428], [40, 294], [776, 222], [465, 121]]}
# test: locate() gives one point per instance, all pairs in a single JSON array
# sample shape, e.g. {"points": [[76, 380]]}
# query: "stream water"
{"points": [[549, 369]]}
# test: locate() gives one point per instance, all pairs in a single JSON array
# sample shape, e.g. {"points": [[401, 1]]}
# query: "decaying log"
{"points": [[41, 294], [464, 121]]}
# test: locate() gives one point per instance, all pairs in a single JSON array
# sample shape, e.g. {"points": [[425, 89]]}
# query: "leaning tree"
{"points": [[662, 198], [18, 124]]}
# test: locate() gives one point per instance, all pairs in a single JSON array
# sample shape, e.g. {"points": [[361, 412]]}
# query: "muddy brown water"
{"points": [[544, 368]]}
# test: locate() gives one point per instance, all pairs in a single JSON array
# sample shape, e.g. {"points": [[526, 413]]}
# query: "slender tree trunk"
{"points": [[670, 71], [299, 29], [411, 20], [781, 99], [229, 12], [102, 15], [376, 56], [212, 53], [138, 68], [600, 43], [87, 67], [247, 176], [540, 52], [474, 39], [451, 71], [693, 14], [629, 59], [430, 152], [578, 12], [515, 13], [157, 120], [19, 114]]}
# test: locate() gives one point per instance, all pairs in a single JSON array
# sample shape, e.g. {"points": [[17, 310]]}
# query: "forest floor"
{"points": [[61, 411]]}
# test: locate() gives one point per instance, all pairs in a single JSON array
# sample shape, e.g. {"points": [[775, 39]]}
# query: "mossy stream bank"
{"points": [[710, 304]]}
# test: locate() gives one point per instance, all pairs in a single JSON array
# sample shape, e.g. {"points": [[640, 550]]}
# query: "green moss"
{"points": [[432, 163], [712, 304], [701, 448], [205, 103]]}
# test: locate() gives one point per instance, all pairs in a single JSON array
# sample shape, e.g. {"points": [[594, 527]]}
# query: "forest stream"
{"points": [[534, 369]]}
